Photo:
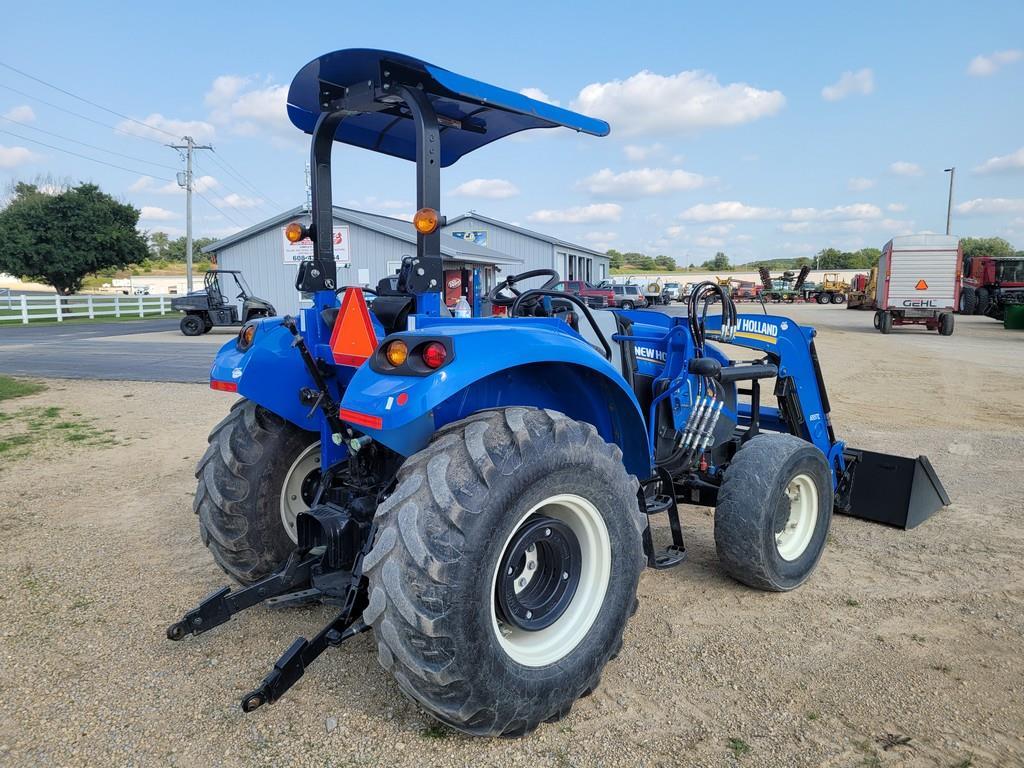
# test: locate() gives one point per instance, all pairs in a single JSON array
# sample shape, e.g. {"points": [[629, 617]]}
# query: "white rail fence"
{"points": [[24, 309]]}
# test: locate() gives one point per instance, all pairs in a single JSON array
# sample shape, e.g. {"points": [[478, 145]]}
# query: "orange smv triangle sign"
{"points": [[353, 339], [921, 285]]}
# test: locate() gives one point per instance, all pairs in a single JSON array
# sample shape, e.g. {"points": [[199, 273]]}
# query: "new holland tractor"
{"points": [[477, 491]]}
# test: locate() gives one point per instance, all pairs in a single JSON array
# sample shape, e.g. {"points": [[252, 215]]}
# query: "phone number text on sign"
{"points": [[303, 250]]}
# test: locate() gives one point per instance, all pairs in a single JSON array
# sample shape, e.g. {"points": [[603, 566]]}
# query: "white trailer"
{"points": [[918, 282]]}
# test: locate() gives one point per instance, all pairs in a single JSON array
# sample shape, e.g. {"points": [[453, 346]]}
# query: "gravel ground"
{"points": [[904, 648]]}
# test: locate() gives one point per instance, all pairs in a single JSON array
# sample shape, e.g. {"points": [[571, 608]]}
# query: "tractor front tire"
{"points": [[504, 569], [191, 325], [984, 300], [968, 300], [774, 511], [838, 298], [248, 465], [946, 324], [822, 298]]}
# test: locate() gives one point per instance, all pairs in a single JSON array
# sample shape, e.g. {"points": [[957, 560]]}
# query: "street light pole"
{"points": [[949, 206]]}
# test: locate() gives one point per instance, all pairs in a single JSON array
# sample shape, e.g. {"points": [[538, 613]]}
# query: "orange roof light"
{"points": [[426, 220], [295, 232]]}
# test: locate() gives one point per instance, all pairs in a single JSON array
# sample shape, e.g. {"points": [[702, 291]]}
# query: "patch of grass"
{"points": [[11, 388], [967, 762], [944, 668], [812, 715], [919, 639], [24, 430], [14, 441], [853, 602], [738, 746], [435, 731]]}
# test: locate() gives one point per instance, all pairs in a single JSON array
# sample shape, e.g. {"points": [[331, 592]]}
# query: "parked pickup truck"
{"points": [[595, 297]]}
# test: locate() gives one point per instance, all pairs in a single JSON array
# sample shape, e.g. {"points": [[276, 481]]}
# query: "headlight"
{"points": [[246, 336]]}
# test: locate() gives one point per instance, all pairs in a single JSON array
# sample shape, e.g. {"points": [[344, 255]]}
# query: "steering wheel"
{"points": [[499, 294]]}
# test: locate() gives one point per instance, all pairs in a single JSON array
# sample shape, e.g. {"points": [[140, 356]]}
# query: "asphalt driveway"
{"points": [[137, 350]]}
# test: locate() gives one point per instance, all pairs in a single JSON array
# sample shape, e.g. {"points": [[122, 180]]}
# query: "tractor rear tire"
{"points": [[450, 596], [822, 298], [946, 324], [774, 511], [984, 300], [838, 298], [242, 475], [191, 325], [968, 300]]}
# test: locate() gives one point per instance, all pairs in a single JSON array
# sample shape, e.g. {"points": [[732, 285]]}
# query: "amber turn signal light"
{"points": [[426, 220], [397, 352], [295, 232]]}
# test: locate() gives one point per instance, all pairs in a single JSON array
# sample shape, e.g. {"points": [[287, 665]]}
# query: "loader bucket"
{"points": [[890, 489]]}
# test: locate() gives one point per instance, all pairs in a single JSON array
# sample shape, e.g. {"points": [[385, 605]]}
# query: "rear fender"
{"points": [[270, 373], [498, 365]]}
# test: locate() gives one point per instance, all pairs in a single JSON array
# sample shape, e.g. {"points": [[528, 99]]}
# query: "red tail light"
{"points": [[434, 355]]}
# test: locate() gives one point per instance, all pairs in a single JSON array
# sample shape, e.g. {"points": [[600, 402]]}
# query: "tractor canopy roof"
{"points": [[471, 113]]}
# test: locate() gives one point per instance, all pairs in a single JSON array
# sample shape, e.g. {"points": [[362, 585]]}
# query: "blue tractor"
{"points": [[477, 491]]}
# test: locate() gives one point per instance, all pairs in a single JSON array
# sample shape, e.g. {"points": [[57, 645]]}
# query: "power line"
{"points": [[81, 116], [90, 146], [222, 161], [84, 157], [219, 210], [257, 203], [84, 100]]}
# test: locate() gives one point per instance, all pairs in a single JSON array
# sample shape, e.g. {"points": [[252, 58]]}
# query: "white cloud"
{"points": [[240, 201], [581, 214], [642, 182], [21, 114], [141, 184], [983, 206], [729, 210], [795, 226], [373, 203], [903, 168], [161, 128], [199, 184], [896, 207], [839, 213], [675, 230], [719, 229], [983, 66], [647, 103], [539, 95], [860, 82], [491, 189], [247, 107], [154, 213], [859, 184], [708, 242], [11, 157], [1013, 163], [640, 152]]}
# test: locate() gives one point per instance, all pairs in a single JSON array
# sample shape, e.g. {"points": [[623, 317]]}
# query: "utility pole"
{"points": [[949, 206], [189, 147]]}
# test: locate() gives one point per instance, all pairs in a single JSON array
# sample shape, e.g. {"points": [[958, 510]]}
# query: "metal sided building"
{"points": [[367, 247], [537, 251]]}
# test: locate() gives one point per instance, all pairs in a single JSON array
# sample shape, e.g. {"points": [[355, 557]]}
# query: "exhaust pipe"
{"points": [[888, 489]]}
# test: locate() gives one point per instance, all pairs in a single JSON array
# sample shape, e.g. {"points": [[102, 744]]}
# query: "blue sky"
{"points": [[742, 127]]}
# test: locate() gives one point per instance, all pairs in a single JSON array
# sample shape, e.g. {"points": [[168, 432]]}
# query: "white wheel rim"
{"points": [[793, 539], [548, 645], [291, 489]]}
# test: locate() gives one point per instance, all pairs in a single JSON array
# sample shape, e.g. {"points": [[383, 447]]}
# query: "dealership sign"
{"points": [[303, 250]]}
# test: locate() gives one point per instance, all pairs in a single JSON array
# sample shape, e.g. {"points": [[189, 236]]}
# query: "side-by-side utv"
{"points": [[211, 308], [477, 491]]}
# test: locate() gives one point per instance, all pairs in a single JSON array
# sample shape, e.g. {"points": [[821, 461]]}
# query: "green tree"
{"points": [[615, 257], [159, 243], [665, 262], [719, 264], [985, 246], [59, 239]]}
